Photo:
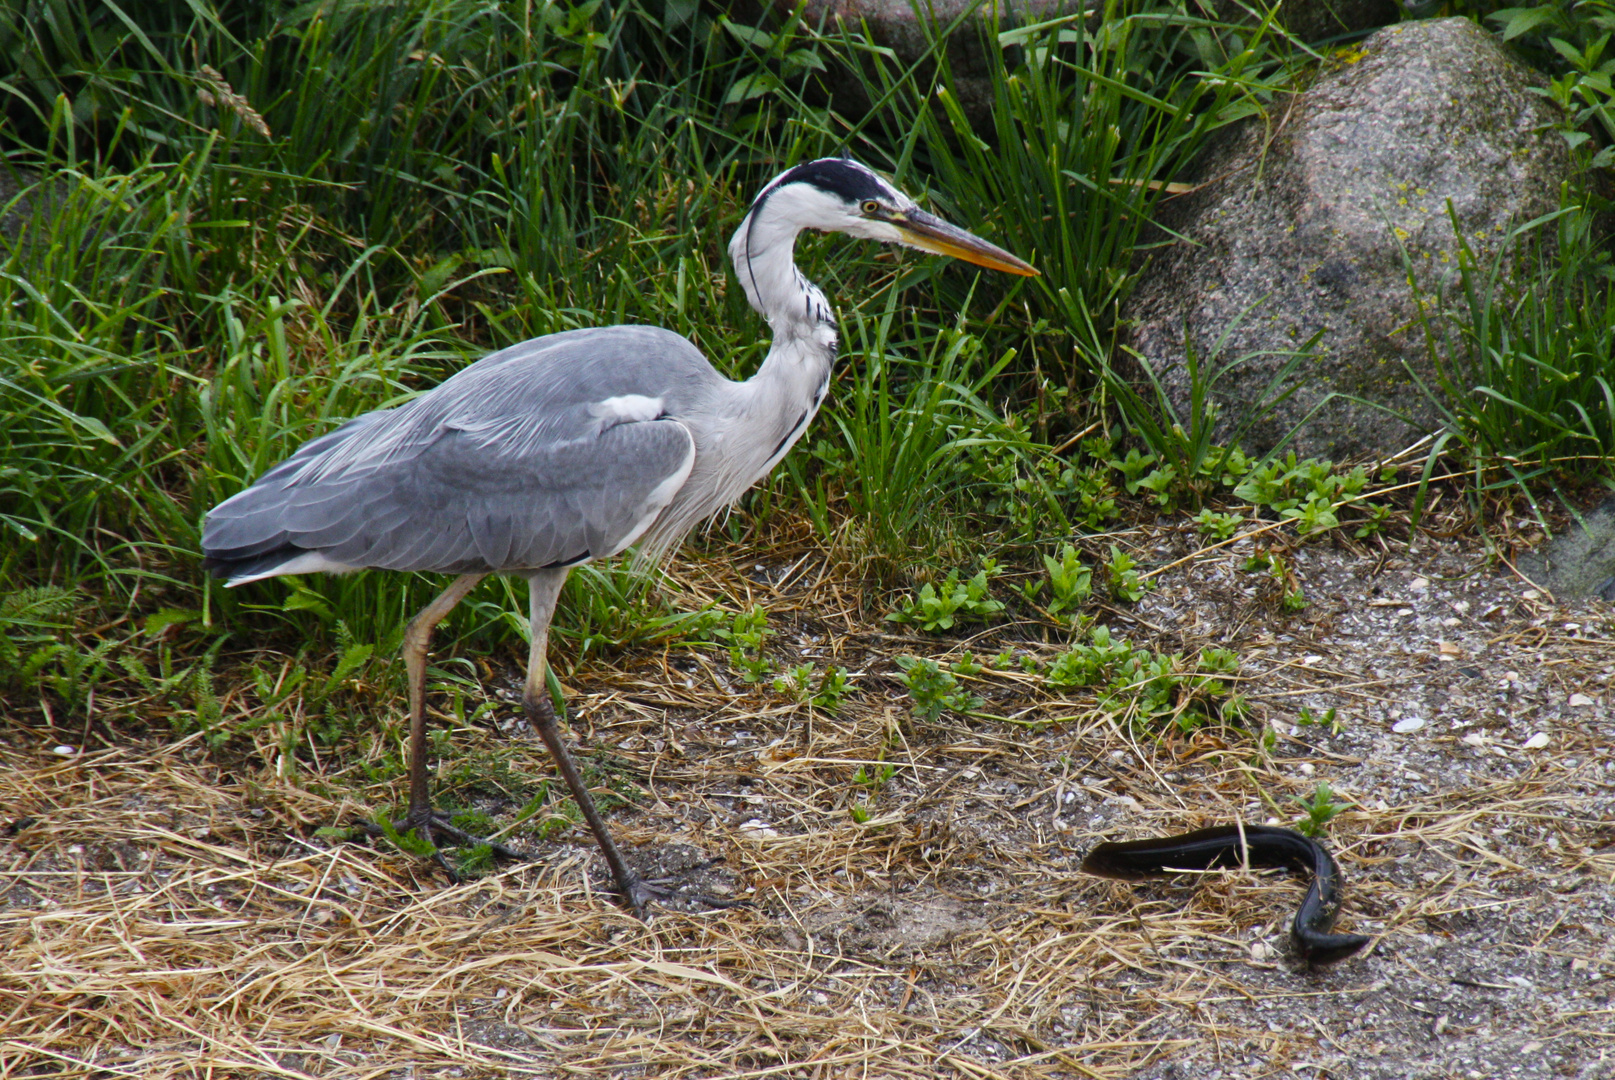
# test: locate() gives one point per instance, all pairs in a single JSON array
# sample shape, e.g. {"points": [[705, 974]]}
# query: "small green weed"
{"points": [[1316, 515], [37, 645], [872, 779], [80, 669], [1320, 809], [188, 690], [1070, 581], [1033, 491], [933, 689], [832, 689], [1311, 494], [1568, 41], [1218, 526], [834, 686], [1089, 664], [1264, 560], [1125, 584], [935, 609], [1379, 515], [797, 682], [1307, 718], [1133, 468], [875, 777], [409, 843], [30, 621], [1151, 686], [745, 636]]}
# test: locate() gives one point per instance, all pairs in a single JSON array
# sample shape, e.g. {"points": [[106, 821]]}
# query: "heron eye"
{"points": [[870, 206]]}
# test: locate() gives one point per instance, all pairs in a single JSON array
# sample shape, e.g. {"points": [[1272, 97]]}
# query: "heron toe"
{"points": [[673, 888], [439, 830]]}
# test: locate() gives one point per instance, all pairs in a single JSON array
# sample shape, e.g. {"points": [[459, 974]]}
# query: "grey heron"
{"points": [[568, 448]]}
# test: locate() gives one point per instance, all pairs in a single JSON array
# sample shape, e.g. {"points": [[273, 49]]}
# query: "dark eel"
{"points": [[1265, 846]]}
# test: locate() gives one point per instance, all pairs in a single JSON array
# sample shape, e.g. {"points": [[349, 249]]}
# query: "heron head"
{"points": [[841, 195]]}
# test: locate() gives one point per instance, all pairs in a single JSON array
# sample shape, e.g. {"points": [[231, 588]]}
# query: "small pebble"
{"points": [[1536, 742], [1407, 724], [64, 751]]}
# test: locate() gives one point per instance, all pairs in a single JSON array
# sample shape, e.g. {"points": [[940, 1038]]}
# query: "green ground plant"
{"points": [[936, 607], [1570, 42], [934, 689], [745, 637], [1149, 689], [1328, 719], [1070, 581], [827, 692], [1122, 571], [1320, 810]]}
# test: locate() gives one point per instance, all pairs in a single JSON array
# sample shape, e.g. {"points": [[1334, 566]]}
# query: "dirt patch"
{"points": [[165, 916]]}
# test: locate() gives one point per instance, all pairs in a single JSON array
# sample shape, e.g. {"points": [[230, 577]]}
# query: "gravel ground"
{"points": [[1474, 734], [170, 911]]}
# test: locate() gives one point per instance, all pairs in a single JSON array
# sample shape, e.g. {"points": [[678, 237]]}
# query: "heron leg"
{"points": [[545, 588], [421, 818]]}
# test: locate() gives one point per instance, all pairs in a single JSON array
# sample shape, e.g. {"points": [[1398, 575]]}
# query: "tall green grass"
{"points": [[1523, 347], [1088, 122]]}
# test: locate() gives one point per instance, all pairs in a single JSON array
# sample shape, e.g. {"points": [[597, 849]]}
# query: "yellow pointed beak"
{"points": [[930, 233]]}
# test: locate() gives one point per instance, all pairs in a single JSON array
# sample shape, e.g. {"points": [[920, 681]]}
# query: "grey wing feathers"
{"points": [[551, 452]]}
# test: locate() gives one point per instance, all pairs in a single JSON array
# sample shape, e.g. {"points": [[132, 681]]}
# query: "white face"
{"points": [[802, 204], [837, 195], [809, 207]]}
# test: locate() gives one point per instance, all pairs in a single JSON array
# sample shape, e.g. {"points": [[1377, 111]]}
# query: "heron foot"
{"points": [[639, 891], [438, 830]]}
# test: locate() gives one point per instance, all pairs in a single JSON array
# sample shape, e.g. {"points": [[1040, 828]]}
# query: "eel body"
{"points": [[1263, 846]]}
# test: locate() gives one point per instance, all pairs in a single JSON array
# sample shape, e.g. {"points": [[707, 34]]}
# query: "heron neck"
{"points": [[787, 390], [791, 382], [763, 250]]}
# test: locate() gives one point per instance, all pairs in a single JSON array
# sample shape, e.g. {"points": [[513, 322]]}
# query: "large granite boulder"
{"points": [[1308, 220], [901, 25]]}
